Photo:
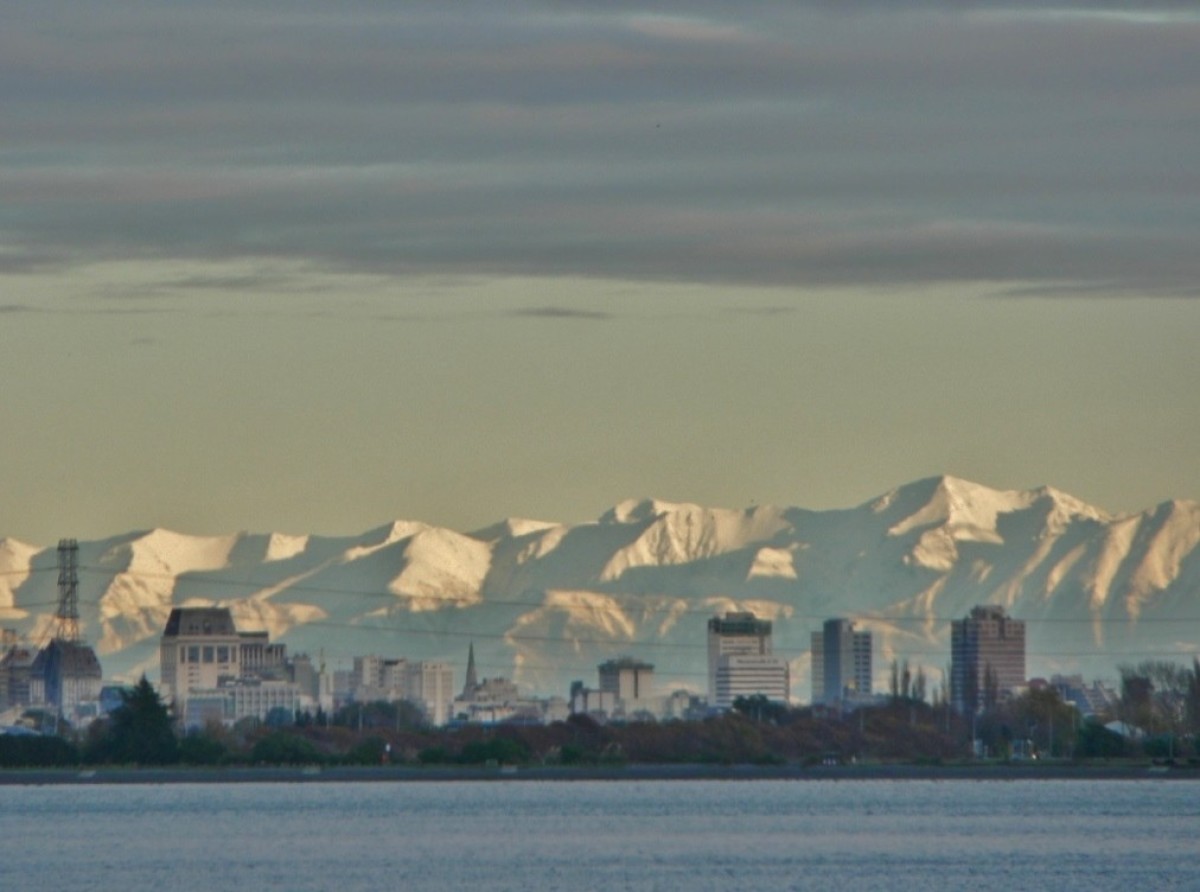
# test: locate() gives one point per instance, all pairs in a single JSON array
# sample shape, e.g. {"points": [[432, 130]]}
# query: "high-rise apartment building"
{"points": [[740, 662], [987, 657], [430, 685], [841, 663]]}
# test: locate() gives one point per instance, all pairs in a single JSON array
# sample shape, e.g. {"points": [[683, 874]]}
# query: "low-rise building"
{"points": [[66, 675], [240, 699], [750, 675]]}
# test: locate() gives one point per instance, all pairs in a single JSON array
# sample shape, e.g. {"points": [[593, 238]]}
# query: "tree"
{"points": [[380, 715], [1192, 699], [36, 751], [920, 685], [279, 716], [1097, 742], [1156, 697], [1045, 719], [758, 708], [282, 748], [202, 749], [500, 750], [139, 731]]}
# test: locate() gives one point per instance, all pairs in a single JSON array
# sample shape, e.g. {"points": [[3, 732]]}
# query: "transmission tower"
{"points": [[66, 626]]}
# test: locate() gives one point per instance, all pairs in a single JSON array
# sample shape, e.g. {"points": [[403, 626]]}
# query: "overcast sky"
{"points": [[311, 266]]}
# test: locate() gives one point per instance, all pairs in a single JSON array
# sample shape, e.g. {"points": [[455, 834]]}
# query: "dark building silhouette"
{"points": [[987, 657]]}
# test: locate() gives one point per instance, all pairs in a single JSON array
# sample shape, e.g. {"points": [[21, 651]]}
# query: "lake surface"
{"points": [[610, 835]]}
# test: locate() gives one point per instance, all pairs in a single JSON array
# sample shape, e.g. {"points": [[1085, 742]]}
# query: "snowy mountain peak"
{"points": [[546, 602], [512, 528], [968, 510], [394, 532], [166, 551], [642, 510], [16, 562], [1066, 506], [16, 546], [281, 546]]}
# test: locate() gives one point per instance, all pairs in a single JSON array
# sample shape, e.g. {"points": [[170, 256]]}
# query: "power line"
{"points": [[626, 644], [611, 644], [705, 610]]}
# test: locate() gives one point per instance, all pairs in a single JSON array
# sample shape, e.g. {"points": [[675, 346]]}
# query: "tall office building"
{"points": [[987, 650], [740, 663], [430, 685], [629, 679], [841, 663]]}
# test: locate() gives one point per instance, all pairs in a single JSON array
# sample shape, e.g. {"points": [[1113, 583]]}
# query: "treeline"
{"points": [[1161, 700], [756, 732]]}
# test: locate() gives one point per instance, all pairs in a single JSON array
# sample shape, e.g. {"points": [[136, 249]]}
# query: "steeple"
{"points": [[472, 681]]}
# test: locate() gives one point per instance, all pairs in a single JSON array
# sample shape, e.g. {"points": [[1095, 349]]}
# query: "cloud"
{"points": [[1117, 288], [760, 311], [559, 313], [818, 142]]}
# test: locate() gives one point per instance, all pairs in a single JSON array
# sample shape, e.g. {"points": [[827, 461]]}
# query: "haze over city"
{"points": [[276, 266]]}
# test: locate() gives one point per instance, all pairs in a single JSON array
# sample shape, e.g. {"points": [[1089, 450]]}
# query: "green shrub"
{"points": [[36, 751], [281, 748]]}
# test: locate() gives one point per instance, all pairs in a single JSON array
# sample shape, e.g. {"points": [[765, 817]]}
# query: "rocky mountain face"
{"points": [[544, 602]]}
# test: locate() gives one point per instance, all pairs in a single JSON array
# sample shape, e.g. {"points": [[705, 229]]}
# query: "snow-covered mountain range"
{"points": [[543, 603]]}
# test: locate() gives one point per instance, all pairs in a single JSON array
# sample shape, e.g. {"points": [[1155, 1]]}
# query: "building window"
{"points": [[208, 654], [194, 654], [222, 654]]}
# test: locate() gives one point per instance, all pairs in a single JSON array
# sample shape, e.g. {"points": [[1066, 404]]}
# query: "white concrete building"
{"points": [[740, 662], [202, 652], [236, 700], [750, 675], [430, 685], [200, 646]]}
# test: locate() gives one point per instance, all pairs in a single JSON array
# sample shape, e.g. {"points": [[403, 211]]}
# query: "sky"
{"points": [[312, 267]]}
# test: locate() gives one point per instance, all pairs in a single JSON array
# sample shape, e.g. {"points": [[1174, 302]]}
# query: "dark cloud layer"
{"points": [[797, 143]]}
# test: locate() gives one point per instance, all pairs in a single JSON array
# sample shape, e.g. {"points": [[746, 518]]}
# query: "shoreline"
{"points": [[996, 772]]}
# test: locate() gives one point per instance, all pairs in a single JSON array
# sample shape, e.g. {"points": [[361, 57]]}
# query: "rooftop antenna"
{"points": [[66, 626]]}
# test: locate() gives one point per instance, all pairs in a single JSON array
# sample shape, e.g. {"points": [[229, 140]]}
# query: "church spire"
{"points": [[472, 681]]}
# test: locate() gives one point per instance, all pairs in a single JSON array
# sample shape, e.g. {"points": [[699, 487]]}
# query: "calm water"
{"points": [[810, 835]]}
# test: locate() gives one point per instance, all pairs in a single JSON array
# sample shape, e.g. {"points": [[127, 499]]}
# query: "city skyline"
{"points": [[267, 268]]}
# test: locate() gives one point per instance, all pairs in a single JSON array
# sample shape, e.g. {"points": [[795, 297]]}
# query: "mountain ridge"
{"points": [[546, 601]]}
